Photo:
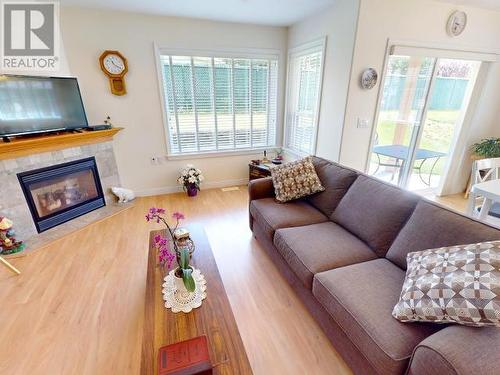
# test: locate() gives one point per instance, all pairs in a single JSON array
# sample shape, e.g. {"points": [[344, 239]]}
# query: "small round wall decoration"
{"points": [[456, 23], [369, 78]]}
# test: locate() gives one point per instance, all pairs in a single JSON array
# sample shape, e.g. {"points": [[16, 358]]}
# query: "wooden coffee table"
{"points": [[214, 318]]}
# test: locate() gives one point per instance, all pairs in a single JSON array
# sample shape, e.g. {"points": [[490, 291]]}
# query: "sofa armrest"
{"points": [[261, 188], [458, 350]]}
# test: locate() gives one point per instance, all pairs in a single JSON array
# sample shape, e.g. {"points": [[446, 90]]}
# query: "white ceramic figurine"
{"points": [[124, 195]]}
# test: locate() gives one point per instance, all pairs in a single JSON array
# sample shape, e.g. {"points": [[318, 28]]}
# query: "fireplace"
{"points": [[62, 192]]}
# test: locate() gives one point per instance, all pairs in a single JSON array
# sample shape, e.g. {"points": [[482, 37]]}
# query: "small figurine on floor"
{"points": [[8, 243], [123, 195]]}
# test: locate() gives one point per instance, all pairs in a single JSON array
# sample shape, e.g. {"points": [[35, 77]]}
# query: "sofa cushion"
{"points": [[375, 212], [295, 180], [456, 284], [360, 299], [431, 226], [336, 180], [273, 215], [319, 247]]}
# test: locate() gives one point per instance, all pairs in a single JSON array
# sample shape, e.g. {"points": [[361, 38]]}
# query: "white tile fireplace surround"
{"points": [[13, 202]]}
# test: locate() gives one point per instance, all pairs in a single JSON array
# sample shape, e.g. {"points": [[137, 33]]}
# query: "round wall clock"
{"points": [[369, 78], [115, 66], [456, 23]]}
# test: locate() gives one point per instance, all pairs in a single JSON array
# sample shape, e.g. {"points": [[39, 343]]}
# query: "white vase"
{"points": [[179, 284]]}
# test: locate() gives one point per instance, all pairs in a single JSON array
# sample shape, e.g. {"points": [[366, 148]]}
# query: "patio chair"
{"points": [[484, 170]]}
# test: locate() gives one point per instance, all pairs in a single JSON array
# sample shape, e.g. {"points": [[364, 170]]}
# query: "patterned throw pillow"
{"points": [[295, 180], [457, 284]]}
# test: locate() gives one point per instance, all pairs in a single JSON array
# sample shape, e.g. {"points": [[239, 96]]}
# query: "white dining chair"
{"points": [[482, 170]]}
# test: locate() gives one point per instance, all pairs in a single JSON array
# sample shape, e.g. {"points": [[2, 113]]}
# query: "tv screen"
{"points": [[39, 104]]}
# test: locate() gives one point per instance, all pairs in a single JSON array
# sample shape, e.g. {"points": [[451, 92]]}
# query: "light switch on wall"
{"points": [[363, 123]]}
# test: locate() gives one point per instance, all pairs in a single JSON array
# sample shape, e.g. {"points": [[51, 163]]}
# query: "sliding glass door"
{"points": [[447, 104], [422, 107], [401, 111]]}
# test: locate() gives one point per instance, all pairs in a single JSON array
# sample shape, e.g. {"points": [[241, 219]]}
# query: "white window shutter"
{"points": [[304, 85], [215, 103], [204, 99], [224, 103], [272, 102]]}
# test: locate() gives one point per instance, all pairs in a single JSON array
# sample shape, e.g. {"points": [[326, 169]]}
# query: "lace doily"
{"points": [[184, 301]]}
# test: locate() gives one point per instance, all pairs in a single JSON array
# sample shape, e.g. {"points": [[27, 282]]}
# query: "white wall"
{"points": [[353, 44], [420, 21], [338, 24], [87, 33]]}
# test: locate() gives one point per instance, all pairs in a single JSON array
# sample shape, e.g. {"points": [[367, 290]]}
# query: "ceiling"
{"points": [[267, 12], [488, 4]]}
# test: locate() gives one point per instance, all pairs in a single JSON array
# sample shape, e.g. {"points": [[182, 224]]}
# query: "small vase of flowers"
{"points": [[190, 179], [170, 249]]}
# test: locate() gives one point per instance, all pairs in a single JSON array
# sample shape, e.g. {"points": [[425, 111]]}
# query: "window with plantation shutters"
{"points": [[219, 103], [305, 75]]}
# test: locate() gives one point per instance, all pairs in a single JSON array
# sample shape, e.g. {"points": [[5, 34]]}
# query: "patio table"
{"points": [[400, 154]]}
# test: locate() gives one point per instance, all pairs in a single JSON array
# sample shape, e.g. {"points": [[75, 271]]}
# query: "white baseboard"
{"points": [[177, 188]]}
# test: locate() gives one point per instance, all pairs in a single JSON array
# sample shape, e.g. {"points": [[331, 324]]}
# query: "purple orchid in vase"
{"points": [[166, 254]]}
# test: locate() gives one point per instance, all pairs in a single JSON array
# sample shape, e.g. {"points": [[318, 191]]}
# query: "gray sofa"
{"points": [[344, 253]]}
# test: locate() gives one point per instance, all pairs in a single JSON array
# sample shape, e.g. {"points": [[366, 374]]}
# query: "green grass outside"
{"points": [[437, 134]]}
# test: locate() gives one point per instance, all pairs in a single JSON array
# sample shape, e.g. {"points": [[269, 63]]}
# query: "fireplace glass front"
{"points": [[60, 193]]}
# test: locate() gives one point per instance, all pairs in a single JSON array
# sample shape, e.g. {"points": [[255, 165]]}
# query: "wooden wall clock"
{"points": [[115, 66]]}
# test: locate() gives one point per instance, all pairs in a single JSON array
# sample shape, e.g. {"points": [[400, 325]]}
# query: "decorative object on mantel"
{"points": [[123, 195], [108, 121], [190, 180], [184, 287], [115, 66], [456, 23], [107, 125], [8, 243], [369, 78]]}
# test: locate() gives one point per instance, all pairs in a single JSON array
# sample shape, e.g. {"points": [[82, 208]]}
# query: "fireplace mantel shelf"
{"points": [[37, 144]]}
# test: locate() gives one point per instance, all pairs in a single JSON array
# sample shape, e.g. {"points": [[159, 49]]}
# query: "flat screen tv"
{"points": [[39, 104]]}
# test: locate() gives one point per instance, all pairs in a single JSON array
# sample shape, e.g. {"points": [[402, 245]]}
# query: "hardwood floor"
{"points": [[456, 202], [78, 306]]}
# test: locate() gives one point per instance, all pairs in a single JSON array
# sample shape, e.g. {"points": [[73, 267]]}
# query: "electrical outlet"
{"points": [[363, 123]]}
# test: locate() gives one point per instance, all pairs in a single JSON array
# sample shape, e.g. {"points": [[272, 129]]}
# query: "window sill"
{"points": [[216, 154], [296, 154]]}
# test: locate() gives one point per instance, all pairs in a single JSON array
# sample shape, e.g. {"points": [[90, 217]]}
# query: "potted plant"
{"points": [[190, 180], [487, 148], [181, 252]]}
